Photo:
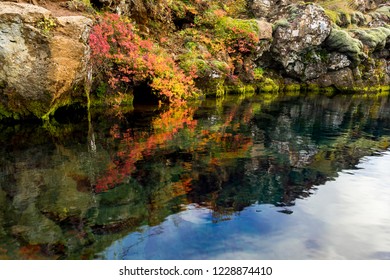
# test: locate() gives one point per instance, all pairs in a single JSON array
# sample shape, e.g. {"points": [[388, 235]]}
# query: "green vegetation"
{"points": [[120, 55], [209, 43], [373, 38], [47, 25], [181, 50], [342, 41]]}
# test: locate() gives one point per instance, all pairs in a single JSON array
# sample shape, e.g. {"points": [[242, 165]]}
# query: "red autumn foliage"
{"points": [[121, 56]]}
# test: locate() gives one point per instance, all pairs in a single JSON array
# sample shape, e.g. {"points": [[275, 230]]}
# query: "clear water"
{"points": [[244, 177]]}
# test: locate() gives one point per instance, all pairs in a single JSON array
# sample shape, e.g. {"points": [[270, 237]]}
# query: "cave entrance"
{"points": [[143, 95]]}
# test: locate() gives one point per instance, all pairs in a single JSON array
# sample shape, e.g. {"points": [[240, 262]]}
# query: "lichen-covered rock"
{"points": [[306, 27], [261, 8], [43, 59], [267, 8], [338, 61]]}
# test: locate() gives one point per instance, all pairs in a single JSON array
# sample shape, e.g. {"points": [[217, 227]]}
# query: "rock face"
{"points": [[312, 49], [43, 59]]}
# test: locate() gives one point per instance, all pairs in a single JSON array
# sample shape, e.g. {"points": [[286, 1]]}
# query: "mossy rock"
{"points": [[358, 19], [341, 41], [385, 10], [373, 38], [343, 19]]}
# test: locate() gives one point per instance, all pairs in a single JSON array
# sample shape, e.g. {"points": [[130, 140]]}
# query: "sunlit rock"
{"points": [[43, 59]]}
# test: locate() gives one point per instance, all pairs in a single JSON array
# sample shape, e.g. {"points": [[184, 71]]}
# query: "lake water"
{"points": [[269, 176]]}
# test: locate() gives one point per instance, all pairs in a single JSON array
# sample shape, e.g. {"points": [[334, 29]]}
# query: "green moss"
{"points": [[268, 85], [332, 15], [373, 89], [292, 87], [374, 38], [281, 22], [258, 73], [246, 90], [341, 41], [235, 28], [385, 10]]}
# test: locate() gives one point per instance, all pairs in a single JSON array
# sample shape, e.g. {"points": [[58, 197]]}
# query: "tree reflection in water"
{"points": [[61, 197]]}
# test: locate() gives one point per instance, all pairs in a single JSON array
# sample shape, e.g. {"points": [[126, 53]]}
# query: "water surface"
{"points": [[298, 176]]}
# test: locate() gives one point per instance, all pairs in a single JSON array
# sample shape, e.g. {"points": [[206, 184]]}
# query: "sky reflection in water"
{"points": [[348, 218]]}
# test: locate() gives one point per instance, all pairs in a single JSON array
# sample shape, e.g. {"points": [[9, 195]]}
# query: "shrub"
{"points": [[125, 59]]}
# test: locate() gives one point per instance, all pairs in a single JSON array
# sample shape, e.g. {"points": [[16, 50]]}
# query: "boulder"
{"points": [[265, 30], [342, 79], [261, 8], [267, 8], [299, 32], [341, 41], [43, 59]]}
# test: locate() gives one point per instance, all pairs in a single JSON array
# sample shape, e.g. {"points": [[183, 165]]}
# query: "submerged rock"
{"points": [[43, 59]]}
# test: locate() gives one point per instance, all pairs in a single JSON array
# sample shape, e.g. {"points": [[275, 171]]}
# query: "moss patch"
{"points": [[373, 38], [341, 41]]}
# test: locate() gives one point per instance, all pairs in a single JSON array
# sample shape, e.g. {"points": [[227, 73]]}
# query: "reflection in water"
{"points": [[236, 176], [344, 220]]}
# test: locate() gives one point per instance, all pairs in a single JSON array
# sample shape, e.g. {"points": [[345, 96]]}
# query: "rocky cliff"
{"points": [[271, 44], [345, 46]]}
